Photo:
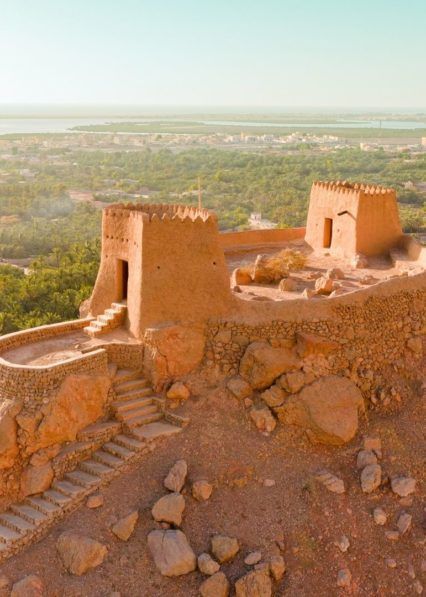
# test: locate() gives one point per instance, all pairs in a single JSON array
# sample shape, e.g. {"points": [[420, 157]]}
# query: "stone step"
{"points": [[28, 513], [96, 468], [106, 318], [72, 490], [123, 375], [92, 331], [134, 394], [57, 498], [122, 405], [16, 523], [131, 384], [143, 420], [83, 479], [107, 458], [126, 415], [117, 450], [92, 432], [8, 536], [43, 505], [101, 325], [129, 442], [121, 307], [153, 431]]}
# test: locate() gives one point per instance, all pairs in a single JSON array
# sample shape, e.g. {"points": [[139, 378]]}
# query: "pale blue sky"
{"points": [[352, 53]]}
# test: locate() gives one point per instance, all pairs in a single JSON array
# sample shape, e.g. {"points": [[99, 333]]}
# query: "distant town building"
{"points": [[256, 222]]}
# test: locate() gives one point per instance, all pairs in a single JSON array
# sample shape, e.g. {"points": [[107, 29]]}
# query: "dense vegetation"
{"points": [[39, 220]]}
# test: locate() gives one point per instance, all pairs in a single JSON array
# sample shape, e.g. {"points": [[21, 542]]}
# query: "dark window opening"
{"points": [[123, 279]]}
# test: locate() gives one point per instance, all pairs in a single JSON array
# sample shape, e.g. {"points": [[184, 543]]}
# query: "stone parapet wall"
{"points": [[125, 356], [233, 240]]}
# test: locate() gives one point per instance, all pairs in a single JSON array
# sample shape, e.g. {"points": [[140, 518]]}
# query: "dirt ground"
{"points": [[221, 445]]}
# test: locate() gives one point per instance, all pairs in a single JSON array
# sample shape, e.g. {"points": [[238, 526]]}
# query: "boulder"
{"points": [[239, 387], [224, 548], [8, 438], [171, 552], [172, 351], [344, 578], [29, 586], [330, 481], [36, 479], [96, 500], [175, 479], [365, 457], [274, 396], [379, 516], [178, 391], [263, 419], [79, 553], [202, 490], [240, 276], [293, 381], [328, 408], [207, 565], [215, 586], [277, 567], [123, 528], [309, 344], [262, 364], [324, 285], [253, 558], [254, 584], [80, 401], [44, 455], [404, 522], [335, 273], [169, 508]]}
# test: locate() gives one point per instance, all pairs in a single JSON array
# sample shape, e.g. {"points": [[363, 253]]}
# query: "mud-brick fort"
{"points": [[174, 299]]}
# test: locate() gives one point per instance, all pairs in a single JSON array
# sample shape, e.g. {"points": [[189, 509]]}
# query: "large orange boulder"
{"points": [[308, 344], [328, 409], [262, 364], [80, 401], [8, 439]]}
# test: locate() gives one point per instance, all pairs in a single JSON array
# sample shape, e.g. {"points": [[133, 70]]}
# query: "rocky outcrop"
{"points": [[8, 434], [172, 553], [80, 401], [328, 409], [262, 364]]}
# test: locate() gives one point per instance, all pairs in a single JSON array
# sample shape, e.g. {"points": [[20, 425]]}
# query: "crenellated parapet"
{"points": [[160, 211]]}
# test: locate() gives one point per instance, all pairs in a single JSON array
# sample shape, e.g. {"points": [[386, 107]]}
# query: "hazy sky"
{"points": [[350, 53]]}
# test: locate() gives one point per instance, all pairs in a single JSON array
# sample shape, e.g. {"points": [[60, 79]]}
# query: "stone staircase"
{"points": [[111, 318], [135, 403], [142, 421]]}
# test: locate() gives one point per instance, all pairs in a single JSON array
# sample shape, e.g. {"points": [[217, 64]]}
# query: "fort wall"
{"points": [[232, 240]]}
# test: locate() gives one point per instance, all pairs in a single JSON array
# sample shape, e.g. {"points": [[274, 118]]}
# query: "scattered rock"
{"points": [[342, 543], [277, 567], [207, 565], [308, 293], [169, 508], [330, 481], [79, 553], [328, 408], [172, 553], [253, 558], [390, 563], [344, 578], [124, 528], [254, 584], [263, 419], [392, 535], [365, 457], [36, 479], [215, 586], [418, 587], [262, 364], [403, 486], [324, 285], [239, 387], [335, 273], [241, 277], [269, 483], [374, 444], [379, 516], [30, 586], [96, 500], [202, 490], [359, 261], [371, 477], [404, 522], [175, 480], [178, 391], [224, 548], [274, 396], [415, 344], [287, 285]]}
